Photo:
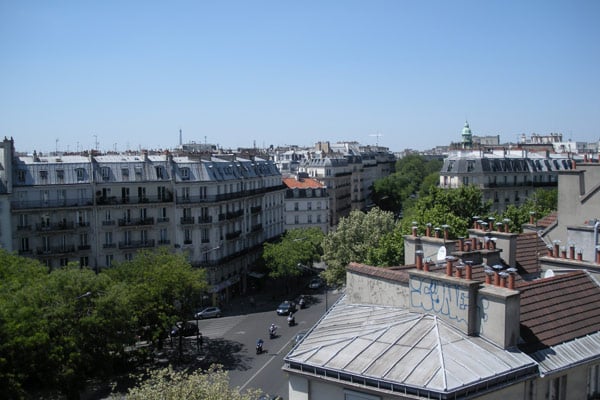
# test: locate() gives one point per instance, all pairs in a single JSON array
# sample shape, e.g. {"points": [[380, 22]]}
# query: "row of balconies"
{"points": [[116, 200]]}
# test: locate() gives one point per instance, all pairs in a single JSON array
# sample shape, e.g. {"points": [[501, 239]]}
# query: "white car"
{"points": [[209, 312]]}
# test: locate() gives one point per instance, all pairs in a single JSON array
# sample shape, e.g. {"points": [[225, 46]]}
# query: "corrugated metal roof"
{"points": [[566, 355], [409, 349]]}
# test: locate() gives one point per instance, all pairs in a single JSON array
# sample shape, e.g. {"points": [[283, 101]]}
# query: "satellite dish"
{"points": [[441, 254], [548, 274]]}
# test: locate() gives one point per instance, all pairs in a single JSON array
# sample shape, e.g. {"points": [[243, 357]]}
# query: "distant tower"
{"points": [[180, 139], [467, 137]]}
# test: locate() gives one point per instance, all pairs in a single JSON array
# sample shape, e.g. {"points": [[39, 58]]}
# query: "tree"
{"points": [[541, 203], [414, 174], [167, 384], [354, 240], [162, 287], [452, 207], [295, 248]]}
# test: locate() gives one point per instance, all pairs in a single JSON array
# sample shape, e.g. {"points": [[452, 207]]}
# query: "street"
{"points": [[231, 341]]}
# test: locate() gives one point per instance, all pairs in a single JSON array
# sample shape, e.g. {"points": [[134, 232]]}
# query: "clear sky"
{"points": [[131, 74]]}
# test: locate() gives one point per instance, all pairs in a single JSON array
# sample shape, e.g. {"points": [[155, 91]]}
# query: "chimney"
{"points": [[445, 227], [459, 267], [414, 229], [550, 250], [449, 261], [497, 268], [511, 278], [428, 229], [469, 270], [506, 223], [572, 251], [437, 232], [579, 255], [426, 265], [597, 254], [488, 274], [419, 254], [476, 222], [461, 243], [556, 248], [531, 217]]}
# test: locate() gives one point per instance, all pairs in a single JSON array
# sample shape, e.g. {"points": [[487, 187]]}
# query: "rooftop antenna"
{"points": [[180, 138], [377, 135], [56, 146], [96, 142]]}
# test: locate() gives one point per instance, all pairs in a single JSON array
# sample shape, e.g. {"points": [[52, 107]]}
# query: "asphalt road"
{"points": [[231, 341]]}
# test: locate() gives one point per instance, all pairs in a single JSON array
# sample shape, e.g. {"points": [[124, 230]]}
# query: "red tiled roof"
{"points": [[558, 309], [304, 183], [529, 247], [547, 220]]}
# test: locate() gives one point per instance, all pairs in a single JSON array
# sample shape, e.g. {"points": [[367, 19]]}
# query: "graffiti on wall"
{"points": [[432, 296]]}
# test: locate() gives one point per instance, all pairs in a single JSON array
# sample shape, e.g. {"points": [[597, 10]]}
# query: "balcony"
{"points": [[24, 228], [164, 242], [167, 198], [255, 209], [187, 220], [55, 250], [136, 221], [162, 220], [136, 244], [233, 235], [256, 228], [60, 226], [20, 205], [205, 220]]}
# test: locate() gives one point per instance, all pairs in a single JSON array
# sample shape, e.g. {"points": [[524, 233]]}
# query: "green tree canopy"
{"points": [[355, 240], [414, 174], [168, 384], [296, 248]]}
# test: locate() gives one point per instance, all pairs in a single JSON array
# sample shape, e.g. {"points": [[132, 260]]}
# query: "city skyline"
{"points": [[125, 76]]}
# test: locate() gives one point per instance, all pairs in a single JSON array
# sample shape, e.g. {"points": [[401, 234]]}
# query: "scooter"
{"points": [[291, 320], [259, 346], [272, 332]]}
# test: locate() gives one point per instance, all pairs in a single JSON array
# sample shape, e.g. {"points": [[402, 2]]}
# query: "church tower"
{"points": [[467, 137]]}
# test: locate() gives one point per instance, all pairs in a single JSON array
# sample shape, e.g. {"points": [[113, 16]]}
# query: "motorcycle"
{"points": [[259, 346], [272, 332], [291, 320], [302, 303]]}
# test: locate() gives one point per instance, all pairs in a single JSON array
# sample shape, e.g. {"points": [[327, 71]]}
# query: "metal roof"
{"points": [[411, 350], [566, 355]]}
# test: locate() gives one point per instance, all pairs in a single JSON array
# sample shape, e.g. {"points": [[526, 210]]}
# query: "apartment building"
{"points": [[306, 203], [506, 177], [98, 209]]}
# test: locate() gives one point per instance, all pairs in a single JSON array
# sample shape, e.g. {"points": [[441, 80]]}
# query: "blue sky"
{"points": [[242, 73]]}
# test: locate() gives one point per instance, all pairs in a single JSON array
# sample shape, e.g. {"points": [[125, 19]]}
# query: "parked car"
{"points": [[286, 308], [184, 329], [209, 312], [315, 283]]}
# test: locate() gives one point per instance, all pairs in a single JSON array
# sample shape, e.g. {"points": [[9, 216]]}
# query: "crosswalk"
{"points": [[218, 327]]}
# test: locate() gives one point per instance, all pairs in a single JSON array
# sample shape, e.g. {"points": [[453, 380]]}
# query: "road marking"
{"points": [[264, 366]]}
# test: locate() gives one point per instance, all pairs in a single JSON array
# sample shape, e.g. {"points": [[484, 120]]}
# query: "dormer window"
{"points": [[21, 174], [105, 172], [160, 172], [44, 175], [80, 174], [185, 174], [60, 174]]}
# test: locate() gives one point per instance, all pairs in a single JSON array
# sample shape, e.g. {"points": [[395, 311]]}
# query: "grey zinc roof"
{"points": [[557, 358], [411, 351]]}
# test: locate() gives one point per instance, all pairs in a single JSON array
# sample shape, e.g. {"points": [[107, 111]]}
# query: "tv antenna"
{"points": [[377, 135]]}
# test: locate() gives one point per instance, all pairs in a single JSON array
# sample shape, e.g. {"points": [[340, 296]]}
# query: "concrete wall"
{"points": [[498, 312], [363, 289]]}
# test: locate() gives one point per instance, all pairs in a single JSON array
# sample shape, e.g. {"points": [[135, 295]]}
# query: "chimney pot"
{"points": [[449, 261], [469, 270], [556, 248], [572, 251], [419, 254]]}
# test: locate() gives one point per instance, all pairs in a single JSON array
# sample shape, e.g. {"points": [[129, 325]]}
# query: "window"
{"points": [[108, 238], [160, 172], [60, 175], [205, 236], [107, 215], [557, 388], [125, 195], [465, 180], [203, 192], [163, 212], [144, 236], [23, 221], [80, 174], [164, 237], [84, 261], [319, 218], [142, 193], [43, 175], [296, 208], [185, 193], [187, 236], [185, 174], [83, 239], [309, 205], [296, 220], [21, 174], [24, 244], [310, 219], [109, 260], [105, 172]]}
